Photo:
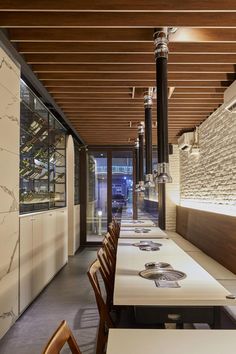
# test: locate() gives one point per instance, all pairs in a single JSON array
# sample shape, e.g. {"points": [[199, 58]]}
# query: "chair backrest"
{"points": [[107, 275], [62, 336], [105, 319], [110, 252], [116, 226], [102, 306], [113, 235]]}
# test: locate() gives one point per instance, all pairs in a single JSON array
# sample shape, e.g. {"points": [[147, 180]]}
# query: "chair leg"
{"points": [[101, 339]]}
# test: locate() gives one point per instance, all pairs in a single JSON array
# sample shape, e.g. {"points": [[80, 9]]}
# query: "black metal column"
{"points": [[148, 133], [136, 155], [141, 154], [161, 56]]}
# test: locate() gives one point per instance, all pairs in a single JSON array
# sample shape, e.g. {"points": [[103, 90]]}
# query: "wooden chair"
{"points": [[105, 319], [113, 234], [107, 274], [110, 253], [116, 226], [62, 336]]}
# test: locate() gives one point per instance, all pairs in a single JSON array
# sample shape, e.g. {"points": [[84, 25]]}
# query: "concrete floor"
{"points": [[69, 296]]}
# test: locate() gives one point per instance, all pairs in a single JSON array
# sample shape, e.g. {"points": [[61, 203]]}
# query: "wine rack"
{"points": [[42, 156]]}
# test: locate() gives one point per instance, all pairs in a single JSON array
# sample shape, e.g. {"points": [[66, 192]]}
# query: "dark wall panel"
{"points": [[214, 234]]}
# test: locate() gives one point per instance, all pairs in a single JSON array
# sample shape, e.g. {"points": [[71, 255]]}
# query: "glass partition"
{"points": [[122, 184], [97, 196]]}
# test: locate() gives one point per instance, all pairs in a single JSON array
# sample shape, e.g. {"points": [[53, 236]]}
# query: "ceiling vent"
{"points": [[186, 141]]}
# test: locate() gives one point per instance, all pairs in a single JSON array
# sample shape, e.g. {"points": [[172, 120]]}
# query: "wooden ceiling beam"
{"points": [[136, 76], [123, 47], [123, 97], [115, 19], [118, 5], [68, 92], [76, 58], [127, 116], [104, 110], [85, 83], [135, 68], [119, 34]]}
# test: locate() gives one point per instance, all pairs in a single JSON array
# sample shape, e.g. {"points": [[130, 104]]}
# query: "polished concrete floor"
{"points": [[69, 296]]}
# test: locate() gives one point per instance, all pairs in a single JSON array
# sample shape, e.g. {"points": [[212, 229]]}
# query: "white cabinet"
{"points": [[49, 244], [61, 242], [38, 271], [26, 262], [43, 251], [77, 226]]}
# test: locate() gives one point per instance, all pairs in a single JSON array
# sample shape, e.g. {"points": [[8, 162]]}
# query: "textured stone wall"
{"points": [[211, 177], [173, 190], [9, 190]]}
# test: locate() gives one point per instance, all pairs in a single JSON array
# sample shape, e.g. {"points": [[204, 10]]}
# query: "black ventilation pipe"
{"points": [[163, 176], [148, 134], [141, 150], [136, 152]]}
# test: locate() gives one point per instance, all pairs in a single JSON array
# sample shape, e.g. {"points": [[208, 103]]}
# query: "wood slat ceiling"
{"points": [[96, 59]]}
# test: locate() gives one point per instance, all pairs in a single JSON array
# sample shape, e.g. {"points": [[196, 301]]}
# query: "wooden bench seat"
{"points": [[219, 272]]}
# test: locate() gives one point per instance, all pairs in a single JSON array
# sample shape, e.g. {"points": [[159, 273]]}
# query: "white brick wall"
{"points": [[211, 177], [173, 190]]}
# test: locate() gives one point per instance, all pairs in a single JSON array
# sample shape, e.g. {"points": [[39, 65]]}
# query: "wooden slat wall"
{"points": [[213, 233]]}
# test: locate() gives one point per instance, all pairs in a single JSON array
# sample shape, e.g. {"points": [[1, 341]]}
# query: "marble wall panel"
{"points": [[9, 257], [9, 190], [9, 181], [9, 120]]}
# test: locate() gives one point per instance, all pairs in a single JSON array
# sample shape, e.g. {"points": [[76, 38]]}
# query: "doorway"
{"points": [[109, 189]]}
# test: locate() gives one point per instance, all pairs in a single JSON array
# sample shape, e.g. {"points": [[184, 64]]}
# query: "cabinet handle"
{"points": [[62, 211], [32, 219], [50, 214]]}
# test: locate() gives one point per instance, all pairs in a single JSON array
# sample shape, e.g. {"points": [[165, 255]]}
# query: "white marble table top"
{"points": [[134, 232], [137, 223], [199, 288], [157, 341]]}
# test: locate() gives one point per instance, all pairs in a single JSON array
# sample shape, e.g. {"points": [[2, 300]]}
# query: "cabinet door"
{"points": [[77, 226], [26, 262], [38, 266], [61, 238], [49, 232]]}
